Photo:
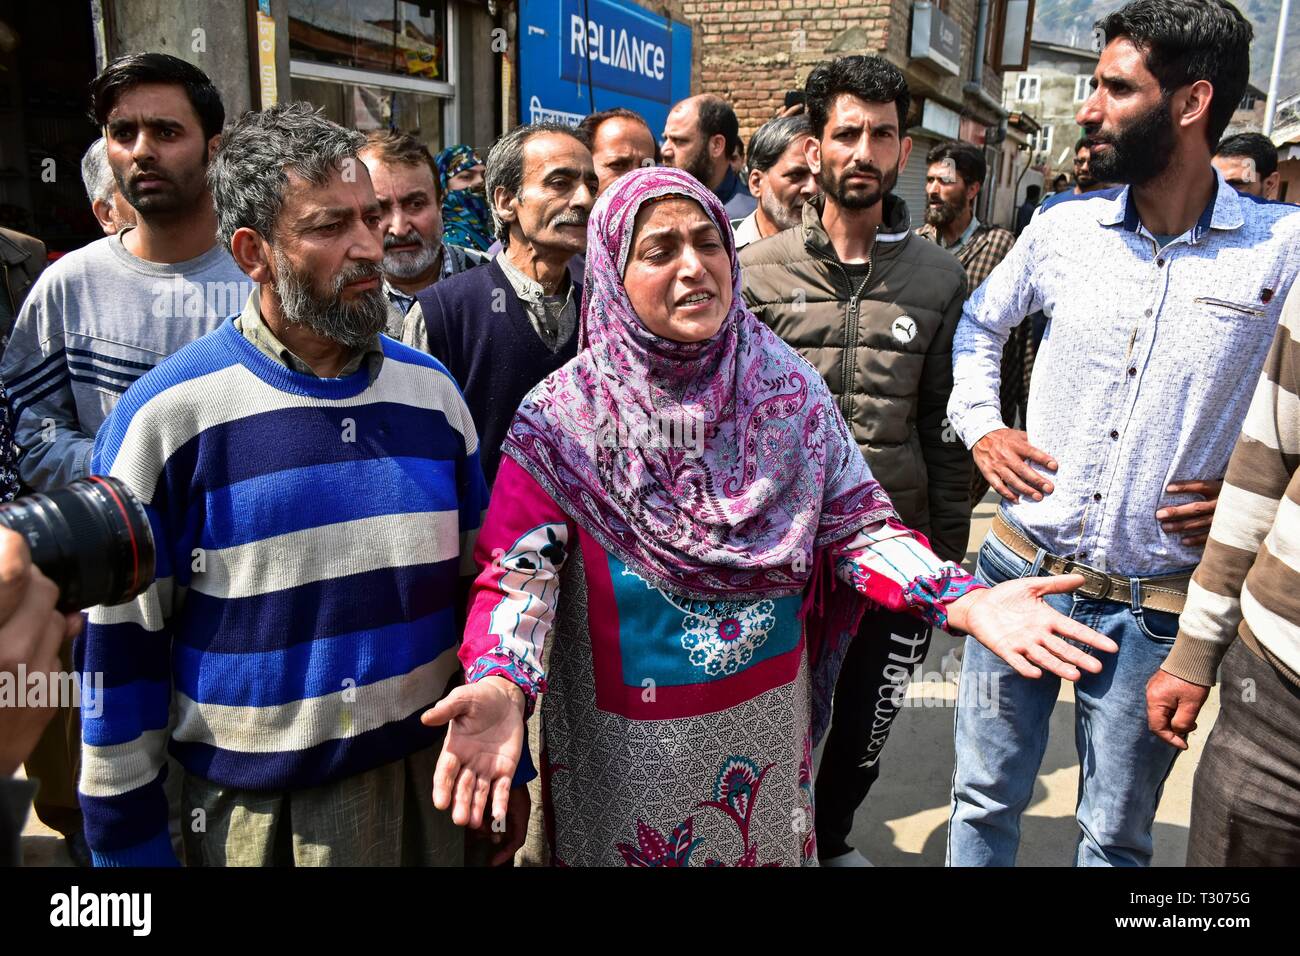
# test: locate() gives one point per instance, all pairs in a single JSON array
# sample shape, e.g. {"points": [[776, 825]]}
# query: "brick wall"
{"points": [[753, 51]]}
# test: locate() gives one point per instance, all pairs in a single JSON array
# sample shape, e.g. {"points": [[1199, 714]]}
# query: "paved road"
{"points": [[904, 821]]}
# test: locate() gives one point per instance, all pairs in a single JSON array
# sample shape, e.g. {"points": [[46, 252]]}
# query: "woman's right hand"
{"points": [[484, 739], [1015, 623]]}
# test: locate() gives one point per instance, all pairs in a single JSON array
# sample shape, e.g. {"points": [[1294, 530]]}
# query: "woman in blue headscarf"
{"points": [[465, 217]]}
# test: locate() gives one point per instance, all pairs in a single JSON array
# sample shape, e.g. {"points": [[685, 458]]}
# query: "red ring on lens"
{"points": [[135, 554]]}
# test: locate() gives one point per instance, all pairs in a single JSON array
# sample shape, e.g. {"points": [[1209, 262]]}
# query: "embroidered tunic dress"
{"points": [[676, 731]]}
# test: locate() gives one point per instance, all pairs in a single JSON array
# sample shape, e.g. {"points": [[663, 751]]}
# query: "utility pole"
{"points": [[1271, 105]]}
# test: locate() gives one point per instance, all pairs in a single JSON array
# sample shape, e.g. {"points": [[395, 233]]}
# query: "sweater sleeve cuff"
{"points": [[1195, 660], [525, 771], [155, 852]]}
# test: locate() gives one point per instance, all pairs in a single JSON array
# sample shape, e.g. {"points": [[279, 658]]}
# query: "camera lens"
{"points": [[91, 538]]}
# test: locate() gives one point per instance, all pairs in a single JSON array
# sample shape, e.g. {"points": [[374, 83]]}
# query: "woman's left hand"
{"points": [[1015, 623]]}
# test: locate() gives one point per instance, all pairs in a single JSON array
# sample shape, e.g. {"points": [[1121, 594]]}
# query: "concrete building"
{"points": [[1050, 90], [1286, 137], [1288, 189], [1249, 115]]}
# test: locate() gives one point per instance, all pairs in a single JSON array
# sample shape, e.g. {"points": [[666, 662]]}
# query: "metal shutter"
{"points": [[911, 181]]}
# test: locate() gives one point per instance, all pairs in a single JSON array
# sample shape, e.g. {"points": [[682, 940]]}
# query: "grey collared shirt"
{"points": [[254, 328], [553, 317], [400, 301]]}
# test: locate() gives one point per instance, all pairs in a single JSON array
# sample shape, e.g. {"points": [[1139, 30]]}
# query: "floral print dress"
{"points": [[676, 732]]}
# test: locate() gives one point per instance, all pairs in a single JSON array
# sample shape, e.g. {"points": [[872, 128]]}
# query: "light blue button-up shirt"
{"points": [[1146, 370]]}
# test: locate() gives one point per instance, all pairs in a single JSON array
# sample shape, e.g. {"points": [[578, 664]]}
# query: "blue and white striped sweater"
{"points": [[311, 536]]}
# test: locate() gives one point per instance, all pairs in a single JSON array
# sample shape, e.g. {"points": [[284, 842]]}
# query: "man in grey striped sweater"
{"points": [[104, 315], [1242, 620]]}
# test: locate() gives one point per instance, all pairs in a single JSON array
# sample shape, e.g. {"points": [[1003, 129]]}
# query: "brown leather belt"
{"points": [[1167, 593]]}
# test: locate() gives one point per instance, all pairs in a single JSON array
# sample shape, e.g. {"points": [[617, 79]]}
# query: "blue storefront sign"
{"points": [[580, 56]]}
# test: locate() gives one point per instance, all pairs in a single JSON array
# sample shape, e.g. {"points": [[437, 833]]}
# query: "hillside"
{"points": [[1070, 22]]}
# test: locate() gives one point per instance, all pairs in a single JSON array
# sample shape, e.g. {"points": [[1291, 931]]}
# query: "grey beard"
{"points": [[351, 325], [411, 265], [780, 216]]}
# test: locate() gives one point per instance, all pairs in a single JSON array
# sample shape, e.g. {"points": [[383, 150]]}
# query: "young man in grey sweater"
{"points": [[102, 316]]}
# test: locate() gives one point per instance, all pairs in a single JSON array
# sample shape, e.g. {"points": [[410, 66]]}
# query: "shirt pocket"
{"points": [[1230, 308], [1226, 332]]}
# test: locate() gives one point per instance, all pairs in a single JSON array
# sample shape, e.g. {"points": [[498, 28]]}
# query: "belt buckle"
{"points": [[1103, 589]]}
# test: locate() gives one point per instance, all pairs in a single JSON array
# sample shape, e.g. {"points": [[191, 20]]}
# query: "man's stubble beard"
{"points": [[699, 166], [352, 325], [833, 187], [1085, 181], [186, 193]]}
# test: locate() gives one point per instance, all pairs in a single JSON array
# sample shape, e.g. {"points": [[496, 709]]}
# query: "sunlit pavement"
{"points": [[905, 820], [41, 845]]}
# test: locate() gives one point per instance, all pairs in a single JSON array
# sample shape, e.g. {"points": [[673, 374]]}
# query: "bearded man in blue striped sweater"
{"points": [[313, 487]]}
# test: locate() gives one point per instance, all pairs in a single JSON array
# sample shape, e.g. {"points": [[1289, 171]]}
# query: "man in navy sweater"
{"points": [[502, 328]]}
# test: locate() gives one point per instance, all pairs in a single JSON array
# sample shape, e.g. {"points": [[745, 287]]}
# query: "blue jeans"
{"points": [[1002, 723]]}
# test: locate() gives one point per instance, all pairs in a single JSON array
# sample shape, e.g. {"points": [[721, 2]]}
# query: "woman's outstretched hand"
{"points": [[1015, 623], [484, 739]]}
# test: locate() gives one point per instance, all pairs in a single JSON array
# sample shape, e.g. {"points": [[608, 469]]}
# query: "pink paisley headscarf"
{"points": [[767, 475]]}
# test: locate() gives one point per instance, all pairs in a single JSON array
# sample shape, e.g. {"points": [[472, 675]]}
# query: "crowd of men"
{"points": [[1095, 365]]}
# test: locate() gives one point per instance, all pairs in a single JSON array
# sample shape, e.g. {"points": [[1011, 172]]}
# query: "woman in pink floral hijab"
{"points": [[682, 514]]}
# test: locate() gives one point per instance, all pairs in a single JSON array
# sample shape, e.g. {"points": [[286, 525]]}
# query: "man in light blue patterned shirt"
{"points": [[1162, 299]]}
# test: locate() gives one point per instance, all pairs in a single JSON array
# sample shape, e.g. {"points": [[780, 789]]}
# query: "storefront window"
{"points": [[375, 64], [406, 39], [358, 106]]}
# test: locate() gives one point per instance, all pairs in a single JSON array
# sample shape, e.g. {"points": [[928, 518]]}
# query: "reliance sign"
{"points": [[644, 57], [624, 53]]}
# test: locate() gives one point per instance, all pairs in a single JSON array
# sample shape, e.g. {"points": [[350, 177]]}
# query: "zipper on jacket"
{"points": [[848, 357]]}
